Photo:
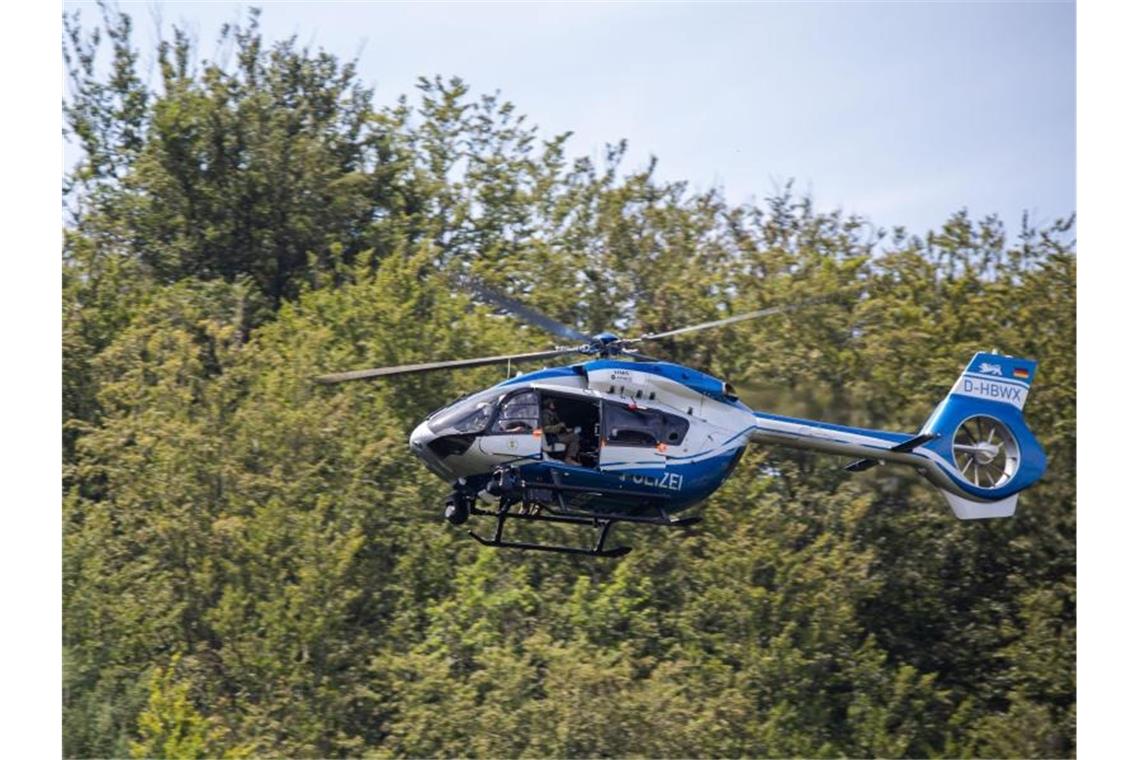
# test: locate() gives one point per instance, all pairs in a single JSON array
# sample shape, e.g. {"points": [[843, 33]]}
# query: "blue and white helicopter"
{"points": [[651, 438]]}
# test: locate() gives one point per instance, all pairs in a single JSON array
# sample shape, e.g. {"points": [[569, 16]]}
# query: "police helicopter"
{"points": [[621, 437]]}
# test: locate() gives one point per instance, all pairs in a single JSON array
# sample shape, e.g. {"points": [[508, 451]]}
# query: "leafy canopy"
{"points": [[254, 565]]}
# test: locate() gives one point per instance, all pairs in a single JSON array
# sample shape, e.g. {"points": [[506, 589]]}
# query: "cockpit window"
{"points": [[469, 415], [476, 421], [519, 414]]}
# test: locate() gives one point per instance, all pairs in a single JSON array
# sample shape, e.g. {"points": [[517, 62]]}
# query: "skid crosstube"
{"points": [[517, 490]]}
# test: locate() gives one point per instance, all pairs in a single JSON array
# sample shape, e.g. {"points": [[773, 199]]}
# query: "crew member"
{"points": [[555, 427]]}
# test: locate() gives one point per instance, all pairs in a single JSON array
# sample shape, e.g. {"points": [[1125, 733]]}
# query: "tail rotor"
{"points": [[986, 452]]}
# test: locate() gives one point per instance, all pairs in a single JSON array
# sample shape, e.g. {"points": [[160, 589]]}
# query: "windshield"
{"points": [[469, 415]]}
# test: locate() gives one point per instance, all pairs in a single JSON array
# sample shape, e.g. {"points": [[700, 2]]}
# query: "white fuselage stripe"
{"points": [[997, 379]]}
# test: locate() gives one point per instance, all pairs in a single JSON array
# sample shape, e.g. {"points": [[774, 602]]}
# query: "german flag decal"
{"points": [[1020, 372]]}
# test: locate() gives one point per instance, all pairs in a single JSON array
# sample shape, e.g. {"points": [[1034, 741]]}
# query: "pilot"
{"points": [[551, 425]]}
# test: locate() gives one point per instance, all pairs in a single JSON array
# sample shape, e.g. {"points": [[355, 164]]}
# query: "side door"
{"points": [[514, 434], [629, 439]]}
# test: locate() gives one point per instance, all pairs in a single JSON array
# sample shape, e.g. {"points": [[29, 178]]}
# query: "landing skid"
{"points": [[601, 522], [597, 551]]}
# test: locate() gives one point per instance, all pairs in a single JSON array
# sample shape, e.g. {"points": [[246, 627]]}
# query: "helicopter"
{"points": [[621, 437]]}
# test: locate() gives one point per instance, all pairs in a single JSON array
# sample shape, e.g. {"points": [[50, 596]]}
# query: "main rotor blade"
{"points": [[524, 312], [403, 369], [726, 321]]}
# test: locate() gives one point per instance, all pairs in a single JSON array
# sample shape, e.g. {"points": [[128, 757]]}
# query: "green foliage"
{"points": [[171, 725], [253, 564]]}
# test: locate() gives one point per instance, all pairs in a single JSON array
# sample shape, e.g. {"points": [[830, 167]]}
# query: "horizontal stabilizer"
{"points": [[861, 464], [908, 445]]}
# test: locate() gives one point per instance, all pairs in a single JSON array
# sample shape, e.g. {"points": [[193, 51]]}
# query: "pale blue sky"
{"points": [[904, 112]]}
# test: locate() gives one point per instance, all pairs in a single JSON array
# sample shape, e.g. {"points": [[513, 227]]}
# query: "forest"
{"points": [[254, 565]]}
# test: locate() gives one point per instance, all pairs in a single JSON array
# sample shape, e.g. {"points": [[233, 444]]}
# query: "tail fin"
{"points": [[983, 453]]}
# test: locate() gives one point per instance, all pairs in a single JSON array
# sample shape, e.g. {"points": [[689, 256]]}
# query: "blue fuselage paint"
{"points": [[678, 485]]}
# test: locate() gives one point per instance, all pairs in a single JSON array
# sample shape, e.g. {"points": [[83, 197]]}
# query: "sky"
{"points": [[901, 112]]}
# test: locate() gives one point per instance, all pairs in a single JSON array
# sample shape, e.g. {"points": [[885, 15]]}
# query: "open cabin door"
{"points": [[630, 437]]}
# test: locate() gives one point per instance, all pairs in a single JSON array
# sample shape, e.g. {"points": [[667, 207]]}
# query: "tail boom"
{"points": [[863, 444], [974, 447]]}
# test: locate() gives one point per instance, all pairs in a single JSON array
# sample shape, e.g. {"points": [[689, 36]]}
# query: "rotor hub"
{"points": [[986, 453], [606, 344]]}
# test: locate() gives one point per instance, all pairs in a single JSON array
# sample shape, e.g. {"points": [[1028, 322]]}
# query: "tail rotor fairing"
{"points": [[986, 452]]}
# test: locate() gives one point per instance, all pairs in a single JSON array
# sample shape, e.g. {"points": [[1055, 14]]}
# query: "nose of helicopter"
{"points": [[419, 439], [419, 442]]}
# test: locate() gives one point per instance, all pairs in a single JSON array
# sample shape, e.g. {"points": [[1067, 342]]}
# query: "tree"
{"points": [[253, 563]]}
